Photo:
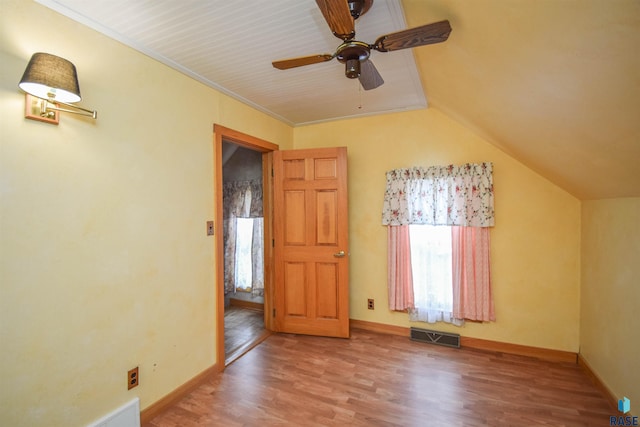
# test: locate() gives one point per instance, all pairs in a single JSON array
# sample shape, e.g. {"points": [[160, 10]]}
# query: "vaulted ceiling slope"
{"points": [[554, 83]]}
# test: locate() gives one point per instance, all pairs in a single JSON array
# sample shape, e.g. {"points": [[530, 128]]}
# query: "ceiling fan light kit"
{"points": [[340, 16], [352, 69], [352, 53]]}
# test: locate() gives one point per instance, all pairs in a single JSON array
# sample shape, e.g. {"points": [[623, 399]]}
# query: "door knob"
{"points": [[339, 254]]}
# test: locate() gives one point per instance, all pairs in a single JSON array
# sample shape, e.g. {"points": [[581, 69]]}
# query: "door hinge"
{"points": [[272, 173], [273, 243], [274, 312]]}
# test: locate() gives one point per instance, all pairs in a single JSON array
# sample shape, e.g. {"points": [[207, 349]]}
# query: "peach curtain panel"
{"points": [[399, 272], [472, 274]]}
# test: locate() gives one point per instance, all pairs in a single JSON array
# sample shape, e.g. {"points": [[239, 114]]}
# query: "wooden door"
{"points": [[311, 242]]}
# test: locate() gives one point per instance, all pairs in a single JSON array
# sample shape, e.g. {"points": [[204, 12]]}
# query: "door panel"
{"points": [[295, 303], [294, 210], [311, 242], [327, 217], [327, 292]]}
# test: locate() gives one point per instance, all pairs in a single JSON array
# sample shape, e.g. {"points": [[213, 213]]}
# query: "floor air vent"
{"points": [[435, 337]]}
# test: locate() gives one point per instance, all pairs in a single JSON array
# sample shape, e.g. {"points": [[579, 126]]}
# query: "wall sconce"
{"points": [[52, 81]]}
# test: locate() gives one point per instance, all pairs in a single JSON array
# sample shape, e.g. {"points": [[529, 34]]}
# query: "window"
{"points": [[249, 262], [438, 221], [244, 239]]}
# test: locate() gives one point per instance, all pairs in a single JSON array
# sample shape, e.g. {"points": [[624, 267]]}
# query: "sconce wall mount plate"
{"points": [[38, 109]]}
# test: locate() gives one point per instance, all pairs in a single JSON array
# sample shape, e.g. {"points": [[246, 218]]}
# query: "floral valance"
{"points": [[440, 195], [242, 199]]}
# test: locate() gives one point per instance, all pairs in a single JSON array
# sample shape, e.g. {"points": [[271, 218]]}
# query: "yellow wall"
{"points": [[104, 261], [535, 243], [609, 326]]}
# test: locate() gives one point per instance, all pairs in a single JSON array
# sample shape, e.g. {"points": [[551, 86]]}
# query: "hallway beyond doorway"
{"points": [[244, 329]]}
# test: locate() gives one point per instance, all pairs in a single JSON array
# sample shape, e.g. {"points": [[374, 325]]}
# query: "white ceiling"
{"points": [[230, 45], [553, 83]]}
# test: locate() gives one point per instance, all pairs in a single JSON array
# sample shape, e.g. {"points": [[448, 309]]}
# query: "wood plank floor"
{"points": [[375, 379], [241, 326]]}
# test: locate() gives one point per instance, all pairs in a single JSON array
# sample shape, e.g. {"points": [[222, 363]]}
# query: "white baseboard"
{"points": [[128, 415]]}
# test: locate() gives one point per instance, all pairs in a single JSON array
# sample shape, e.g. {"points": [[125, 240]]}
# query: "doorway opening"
{"points": [[243, 234], [244, 253]]}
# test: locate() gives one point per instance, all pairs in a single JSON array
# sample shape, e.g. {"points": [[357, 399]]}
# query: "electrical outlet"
{"points": [[370, 304], [133, 379], [209, 228]]}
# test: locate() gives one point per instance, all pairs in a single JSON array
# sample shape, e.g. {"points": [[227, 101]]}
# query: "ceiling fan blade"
{"points": [[338, 16], [413, 37], [369, 78], [285, 64]]}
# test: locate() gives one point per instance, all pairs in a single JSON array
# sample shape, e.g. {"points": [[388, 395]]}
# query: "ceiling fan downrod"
{"points": [[355, 8]]}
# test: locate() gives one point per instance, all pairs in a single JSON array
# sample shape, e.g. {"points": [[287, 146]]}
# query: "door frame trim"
{"points": [[221, 134]]}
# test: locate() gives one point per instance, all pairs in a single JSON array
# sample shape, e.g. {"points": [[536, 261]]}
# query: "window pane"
{"points": [[431, 267], [244, 238]]}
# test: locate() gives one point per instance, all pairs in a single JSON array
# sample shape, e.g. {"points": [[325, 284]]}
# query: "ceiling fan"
{"points": [[341, 15]]}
